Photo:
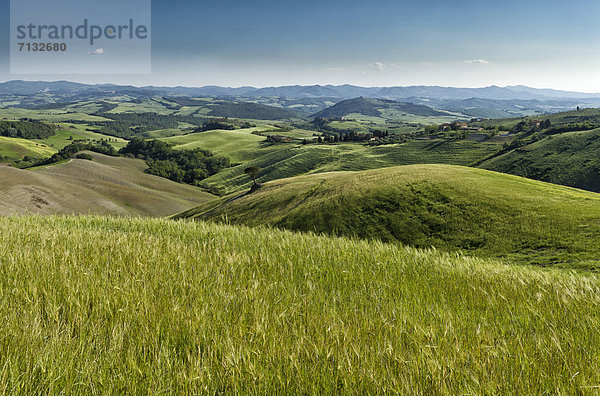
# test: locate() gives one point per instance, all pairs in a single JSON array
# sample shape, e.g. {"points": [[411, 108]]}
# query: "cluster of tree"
{"points": [[106, 107], [182, 166], [27, 129], [453, 126], [356, 137], [432, 128], [380, 134], [216, 123], [117, 129], [582, 126], [321, 123], [532, 126], [84, 156], [389, 139], [351, 136]]}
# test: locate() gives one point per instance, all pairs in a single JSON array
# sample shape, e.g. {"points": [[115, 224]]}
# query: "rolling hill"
{"points": [[251, 111], [449, 207], [570, 159], [106, 185], [238, 145], [277, 161], [12, 149], [494, 108], [375, 108]]}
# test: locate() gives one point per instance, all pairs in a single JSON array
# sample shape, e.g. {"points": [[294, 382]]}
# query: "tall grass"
{"points": [[98, 305], [486, 214]]}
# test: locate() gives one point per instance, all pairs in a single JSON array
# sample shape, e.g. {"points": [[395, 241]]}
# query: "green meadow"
{"points": [[12, 149], [240, 145], [277, 161], [452, 208], [157, 306]]}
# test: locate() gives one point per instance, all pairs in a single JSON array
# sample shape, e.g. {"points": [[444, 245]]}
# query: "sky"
{"points": [[462, 43]]}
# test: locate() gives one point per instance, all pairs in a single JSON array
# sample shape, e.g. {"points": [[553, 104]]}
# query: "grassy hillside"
{"points": [[375, 108], [239, 145], [557, 119], [49, 115], [288, 160], [106, 185], [570, 159], [449, 207], [153, 306], [70, 132], [12, 149], [251, 110]]}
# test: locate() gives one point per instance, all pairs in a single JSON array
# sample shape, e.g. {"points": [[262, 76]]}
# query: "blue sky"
{"points": [[554, 44]]}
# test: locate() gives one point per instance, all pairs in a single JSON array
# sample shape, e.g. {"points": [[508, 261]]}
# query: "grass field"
{"points": [[164, 133], [147, 106], [452, 208], [393, 115], [78, 132], [12, 149], [52, 115], [154, 306], [16, 149], [288, 160], [239, 145], [106, 185], [570, 159]]}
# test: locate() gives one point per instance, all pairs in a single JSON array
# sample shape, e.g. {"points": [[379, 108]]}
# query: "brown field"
{"points": [[106, 185]]}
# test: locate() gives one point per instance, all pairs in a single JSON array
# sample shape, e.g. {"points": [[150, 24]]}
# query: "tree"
{"points": [[252, 172]]}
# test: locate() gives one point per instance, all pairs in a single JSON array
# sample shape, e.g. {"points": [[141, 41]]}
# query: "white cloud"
{"points": [[333, 69], [98, 51], [477, 62], [383, 66]]}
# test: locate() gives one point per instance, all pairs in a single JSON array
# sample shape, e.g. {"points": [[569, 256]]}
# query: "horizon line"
{"points": [[299, 85]]}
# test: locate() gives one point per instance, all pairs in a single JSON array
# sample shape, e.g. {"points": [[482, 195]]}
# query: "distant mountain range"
{"points": [[518, 92], [305, 101]]}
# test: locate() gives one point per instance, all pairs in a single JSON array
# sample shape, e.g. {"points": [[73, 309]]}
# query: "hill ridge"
{"points": [[445, 206]]}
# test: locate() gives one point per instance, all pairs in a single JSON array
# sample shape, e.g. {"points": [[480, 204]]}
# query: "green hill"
{"points": [[375, 108], [557, 119], [105, 185], [110, 306], [277, 161], [449, 207], [251, 110], [239, 145], [570, 159], [12, 149]]}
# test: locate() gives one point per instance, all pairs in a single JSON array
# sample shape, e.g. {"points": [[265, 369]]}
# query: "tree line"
{"points": [[27, 129], [182, 166]]}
